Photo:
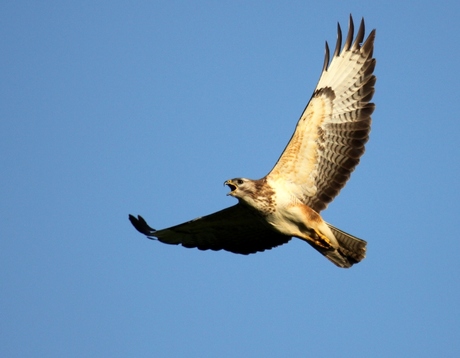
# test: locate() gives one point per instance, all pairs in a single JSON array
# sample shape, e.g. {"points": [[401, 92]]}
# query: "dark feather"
{"points": [[236, 229]]}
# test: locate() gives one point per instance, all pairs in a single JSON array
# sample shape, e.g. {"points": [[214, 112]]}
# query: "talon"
{"points": [[321, 240]]}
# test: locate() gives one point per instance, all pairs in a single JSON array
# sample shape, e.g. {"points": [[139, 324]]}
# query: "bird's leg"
{"points": [[318, 239]]}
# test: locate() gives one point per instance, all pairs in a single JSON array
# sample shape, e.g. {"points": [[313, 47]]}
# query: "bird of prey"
{"points": [[324, 149]]}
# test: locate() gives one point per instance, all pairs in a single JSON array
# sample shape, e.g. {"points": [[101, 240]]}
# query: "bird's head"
{"points": [[243, 189], [239, 187], [236, 186]]}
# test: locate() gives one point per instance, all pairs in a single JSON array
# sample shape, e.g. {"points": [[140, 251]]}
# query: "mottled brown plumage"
{"points": [[324, 149]]}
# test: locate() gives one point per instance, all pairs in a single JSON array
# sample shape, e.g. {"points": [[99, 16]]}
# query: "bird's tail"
{"points": [[351, 250]]}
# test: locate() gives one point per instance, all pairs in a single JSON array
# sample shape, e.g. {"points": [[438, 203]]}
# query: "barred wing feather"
{"points": [[330, 135]]}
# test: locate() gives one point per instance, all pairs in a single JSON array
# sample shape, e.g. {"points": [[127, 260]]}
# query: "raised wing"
{"points": [[236, 229], [330, 135]]}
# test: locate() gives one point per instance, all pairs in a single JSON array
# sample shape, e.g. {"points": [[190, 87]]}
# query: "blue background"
{"points": [[116, 107]]}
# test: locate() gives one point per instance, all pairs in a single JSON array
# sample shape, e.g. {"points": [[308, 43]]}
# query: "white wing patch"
{"points": [[298, 164]]}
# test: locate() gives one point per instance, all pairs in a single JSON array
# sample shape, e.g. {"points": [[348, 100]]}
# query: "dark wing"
{"points": [[236, 229], [329, 138]]}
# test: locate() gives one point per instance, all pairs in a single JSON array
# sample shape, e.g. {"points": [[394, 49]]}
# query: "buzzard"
{"points": [[325, 148]]}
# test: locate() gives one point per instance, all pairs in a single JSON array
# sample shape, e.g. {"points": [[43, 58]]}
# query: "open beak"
{"points": [[232, 186]]}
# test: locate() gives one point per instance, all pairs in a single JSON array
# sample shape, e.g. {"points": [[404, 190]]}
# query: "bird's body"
{"points": [[285, 213], [317, 162]]}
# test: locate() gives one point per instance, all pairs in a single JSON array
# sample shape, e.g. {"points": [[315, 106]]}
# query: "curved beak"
{"points": [[231, 185]]}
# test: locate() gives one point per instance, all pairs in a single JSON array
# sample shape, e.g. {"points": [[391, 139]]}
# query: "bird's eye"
{"points": [[240, 181]]}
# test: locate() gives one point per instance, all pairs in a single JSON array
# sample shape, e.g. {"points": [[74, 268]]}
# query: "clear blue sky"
{"points": [[116, 107]]}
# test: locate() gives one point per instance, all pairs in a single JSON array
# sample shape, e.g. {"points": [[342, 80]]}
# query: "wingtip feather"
{"points": [[141, 225], [338, 43], [326, 58], [349, 39]]}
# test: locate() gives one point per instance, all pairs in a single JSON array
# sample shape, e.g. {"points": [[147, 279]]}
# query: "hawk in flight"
{"points": [[325, 148]]}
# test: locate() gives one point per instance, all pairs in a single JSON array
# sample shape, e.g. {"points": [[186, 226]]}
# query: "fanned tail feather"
{"points": [[351, 249]]}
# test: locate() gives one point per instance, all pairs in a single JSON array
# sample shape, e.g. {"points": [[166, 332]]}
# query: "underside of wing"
{"points": [[236, 229], [331, 133]]}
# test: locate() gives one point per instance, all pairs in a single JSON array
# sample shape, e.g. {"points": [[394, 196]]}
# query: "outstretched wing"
{"points": [[236, 229], [330, 135]]}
